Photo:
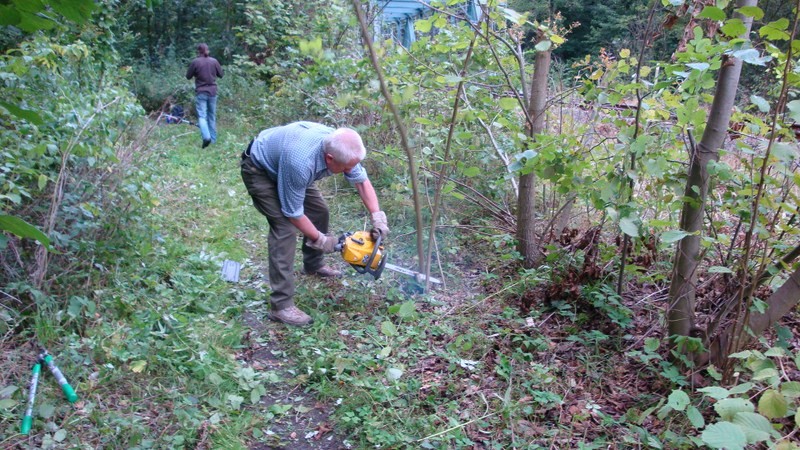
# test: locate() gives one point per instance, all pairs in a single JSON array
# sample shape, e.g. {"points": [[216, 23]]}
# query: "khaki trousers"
{"points": [[282, 241]]}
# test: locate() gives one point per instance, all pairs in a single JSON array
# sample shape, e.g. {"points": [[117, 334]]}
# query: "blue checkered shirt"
{"points": [[293, 157]]}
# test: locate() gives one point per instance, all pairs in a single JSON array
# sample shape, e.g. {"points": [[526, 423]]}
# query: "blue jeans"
{"points": [[206, 106]]}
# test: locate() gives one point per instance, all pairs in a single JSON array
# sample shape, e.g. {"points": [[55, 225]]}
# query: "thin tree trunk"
{"points": [[528, 243], [412, 165], [681, 307]]}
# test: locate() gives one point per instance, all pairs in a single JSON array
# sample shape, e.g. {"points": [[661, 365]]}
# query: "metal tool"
{"points": [[45, 359], [364, 252]]}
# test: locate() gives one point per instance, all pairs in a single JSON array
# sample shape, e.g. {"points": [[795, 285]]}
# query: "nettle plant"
{"points": [[762, 408]]}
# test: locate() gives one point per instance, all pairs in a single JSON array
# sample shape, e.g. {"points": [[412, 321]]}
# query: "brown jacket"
{"points": [[205, 71]]}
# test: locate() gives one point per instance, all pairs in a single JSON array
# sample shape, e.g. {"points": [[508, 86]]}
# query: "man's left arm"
{"points": [[370, 199], [368, 196]]}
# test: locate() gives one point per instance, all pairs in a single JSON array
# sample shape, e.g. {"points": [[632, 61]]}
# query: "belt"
{"points": [[246, 153]]}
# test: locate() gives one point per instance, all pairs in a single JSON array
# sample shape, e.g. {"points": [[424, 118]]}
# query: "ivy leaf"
{"points": [[733, 28], [772, 404], [713, 13], [775, 31], [724, 435]]}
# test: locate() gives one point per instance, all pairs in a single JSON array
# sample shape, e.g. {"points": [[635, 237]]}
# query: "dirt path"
{"points": [[300, 421]]}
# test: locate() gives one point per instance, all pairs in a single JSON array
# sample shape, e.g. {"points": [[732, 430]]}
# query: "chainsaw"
{"points": [[364, 252]]}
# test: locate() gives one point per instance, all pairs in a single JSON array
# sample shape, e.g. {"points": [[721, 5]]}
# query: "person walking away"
{"points": [[205, 70], [279, 168]]}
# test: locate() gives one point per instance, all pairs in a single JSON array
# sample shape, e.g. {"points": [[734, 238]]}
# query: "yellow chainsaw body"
{"points": [[359, 247]]}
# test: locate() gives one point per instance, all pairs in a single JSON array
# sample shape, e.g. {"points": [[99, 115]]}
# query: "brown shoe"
{"points": [[290, 316], [326, 272]]}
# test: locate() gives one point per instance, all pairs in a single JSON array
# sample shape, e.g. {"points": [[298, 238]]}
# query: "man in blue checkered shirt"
{"points": [[279, 169]]}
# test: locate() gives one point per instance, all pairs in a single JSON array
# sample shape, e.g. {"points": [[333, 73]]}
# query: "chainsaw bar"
{"points": [[405, 271]]}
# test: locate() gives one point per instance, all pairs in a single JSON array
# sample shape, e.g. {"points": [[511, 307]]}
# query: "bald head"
{"points": [[345, 146]]}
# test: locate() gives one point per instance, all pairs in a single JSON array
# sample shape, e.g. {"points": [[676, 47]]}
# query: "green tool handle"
{"points": [[27, 421], [72, 397]]}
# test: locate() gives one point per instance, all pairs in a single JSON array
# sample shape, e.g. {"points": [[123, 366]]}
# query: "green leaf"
{"points": [[775, 31], [678, 400], [138, 366], [236, 401], [724, 435], [629, 226], [423, 25], [22, 229], [9, 15], [407, 310], [543, 46], [751, 56], [751, 11], [46, 410], [388, 328], [60, 435], [508, 103], [715, 392], [772, 404], [727, 408], [760, 102], [755, 426], [695, 417], [671, 236], [719, 269], [471, 172], [75, 10], [734, 28], [784, 152], [699, 66], [393, 374], [512, 15], [25, 114], [651, 344], [794, 110], [713, 13], [791, 389]]}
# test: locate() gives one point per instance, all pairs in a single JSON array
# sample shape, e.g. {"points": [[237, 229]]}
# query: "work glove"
{"points": [[325, 243], [380, 223]]}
